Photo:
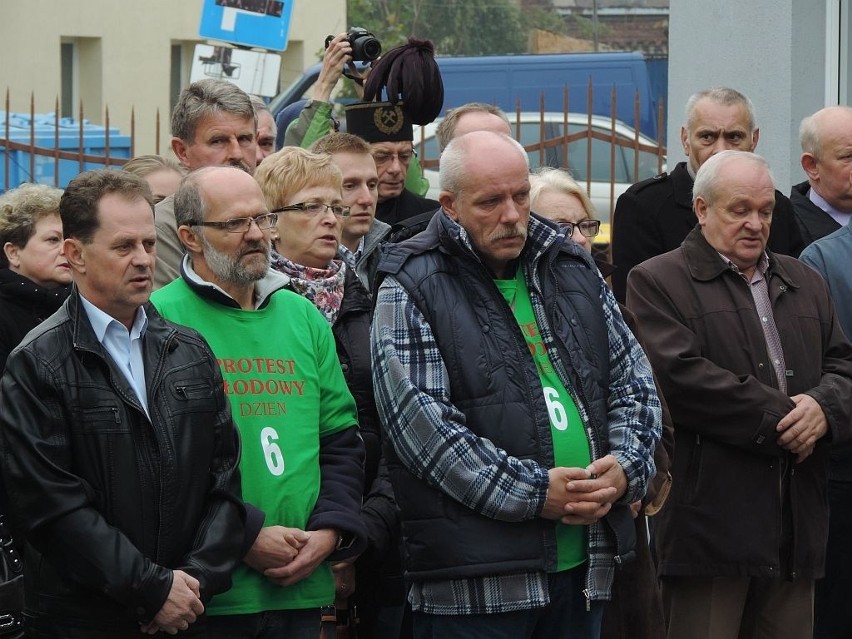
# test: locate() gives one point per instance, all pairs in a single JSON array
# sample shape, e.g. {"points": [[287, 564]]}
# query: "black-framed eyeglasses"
{"points": [[316, 208], [589, 228], [264, 222]]}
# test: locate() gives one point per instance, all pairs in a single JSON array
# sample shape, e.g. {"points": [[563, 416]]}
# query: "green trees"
{"points": [[457, 27]]}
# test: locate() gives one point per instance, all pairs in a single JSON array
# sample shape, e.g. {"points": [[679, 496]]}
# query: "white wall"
{"points": [[773, 51]]}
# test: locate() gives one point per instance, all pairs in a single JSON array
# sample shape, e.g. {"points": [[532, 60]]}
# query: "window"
{"points": [[68, 53], [838, 29]]}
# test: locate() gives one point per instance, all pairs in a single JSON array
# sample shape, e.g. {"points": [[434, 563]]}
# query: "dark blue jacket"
{"points": [[494, 382]]}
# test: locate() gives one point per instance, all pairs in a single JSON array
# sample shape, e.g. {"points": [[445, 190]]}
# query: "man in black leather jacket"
{"points": [[119, 451]]}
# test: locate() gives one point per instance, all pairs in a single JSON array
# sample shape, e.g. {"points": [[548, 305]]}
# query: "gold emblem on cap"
{"points": [[388, 120]]}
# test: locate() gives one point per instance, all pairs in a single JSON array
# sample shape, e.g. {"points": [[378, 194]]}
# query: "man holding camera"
{"points": [[387, 127]]}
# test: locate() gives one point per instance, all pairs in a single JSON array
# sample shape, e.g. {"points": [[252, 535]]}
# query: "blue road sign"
{"points": [[253, 23]]}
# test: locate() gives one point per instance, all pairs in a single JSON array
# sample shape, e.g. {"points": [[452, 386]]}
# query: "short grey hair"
{"points": [[810, 130], [205, 97], [188, 203], [258, 104], [454, 159], [720, 95], [706, 184], [446, 130]]}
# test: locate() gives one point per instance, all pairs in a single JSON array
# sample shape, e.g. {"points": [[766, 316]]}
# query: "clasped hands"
{"points": [[582, 496], [802, 427], [181, 608], [287, 555]]}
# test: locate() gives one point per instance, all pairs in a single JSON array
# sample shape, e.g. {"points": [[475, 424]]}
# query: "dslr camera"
{"points": [[365, 46]]}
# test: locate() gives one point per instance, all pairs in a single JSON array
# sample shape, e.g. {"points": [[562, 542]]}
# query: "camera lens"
{"points": [[372, 48], [366, 48]]}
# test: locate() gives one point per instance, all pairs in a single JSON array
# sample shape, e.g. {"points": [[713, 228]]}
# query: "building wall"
{"points": [[771, 50], [125, 55]]}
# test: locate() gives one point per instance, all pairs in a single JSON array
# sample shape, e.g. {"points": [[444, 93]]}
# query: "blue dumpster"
{"points": [[44, 136]]}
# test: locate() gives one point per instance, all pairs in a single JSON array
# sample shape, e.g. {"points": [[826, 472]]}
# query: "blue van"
{"points": [[509, 80]]}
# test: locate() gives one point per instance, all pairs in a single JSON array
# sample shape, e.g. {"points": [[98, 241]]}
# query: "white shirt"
{"points": [[123, 346], [841, 217]]}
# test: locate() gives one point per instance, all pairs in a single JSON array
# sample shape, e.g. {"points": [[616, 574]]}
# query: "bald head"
{"points": [[733, 198], [474, 116], [826, 138], [462, 149], [485, 187], [213, 207]]}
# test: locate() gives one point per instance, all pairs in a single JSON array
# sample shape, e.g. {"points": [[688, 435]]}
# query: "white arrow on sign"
{"points": [[229, 18]]}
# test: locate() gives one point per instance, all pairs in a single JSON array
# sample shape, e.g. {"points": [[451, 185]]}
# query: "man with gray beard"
{"points": [[302, 456]]}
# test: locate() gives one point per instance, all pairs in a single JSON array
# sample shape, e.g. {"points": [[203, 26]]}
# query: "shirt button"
{"points": [[764, 319], [777, 361]]}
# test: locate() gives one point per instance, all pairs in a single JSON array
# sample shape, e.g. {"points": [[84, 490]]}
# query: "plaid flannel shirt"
{"points": [[429, 436]]}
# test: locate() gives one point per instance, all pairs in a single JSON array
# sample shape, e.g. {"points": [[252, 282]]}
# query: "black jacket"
{"points": [[110, 502], [379, 568], [655, 216], [404, 206], [814, 223], [352, 337], [23, 306]]}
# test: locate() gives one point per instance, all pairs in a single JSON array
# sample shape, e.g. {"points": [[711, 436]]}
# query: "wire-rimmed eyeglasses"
{"points": [[589, 228], [381, 157], [264, 221], [316, 208]]}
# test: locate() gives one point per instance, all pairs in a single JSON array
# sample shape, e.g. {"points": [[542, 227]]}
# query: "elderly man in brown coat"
{"points": [[758, 377]]}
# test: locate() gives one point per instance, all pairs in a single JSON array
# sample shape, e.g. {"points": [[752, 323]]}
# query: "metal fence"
{"points": [[605, 154], [46, 151]]}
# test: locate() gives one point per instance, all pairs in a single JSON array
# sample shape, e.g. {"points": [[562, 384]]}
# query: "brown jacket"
{"points": [[739, 504]]}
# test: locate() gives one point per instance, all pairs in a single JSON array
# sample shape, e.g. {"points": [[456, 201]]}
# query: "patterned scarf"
{"points": [[322, 286]]}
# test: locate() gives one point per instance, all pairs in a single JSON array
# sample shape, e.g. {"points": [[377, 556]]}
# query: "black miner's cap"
{"points": [[379, 122]]}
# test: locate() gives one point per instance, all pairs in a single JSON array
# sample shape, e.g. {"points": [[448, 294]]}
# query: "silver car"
{"points": [[611, 156]]}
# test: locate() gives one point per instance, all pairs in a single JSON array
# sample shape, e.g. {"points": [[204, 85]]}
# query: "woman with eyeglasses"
{"points": [[555, 195], [305, 190]]}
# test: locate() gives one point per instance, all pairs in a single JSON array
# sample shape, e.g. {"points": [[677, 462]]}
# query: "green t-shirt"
{"points": [[570, 443], [286, 389]]}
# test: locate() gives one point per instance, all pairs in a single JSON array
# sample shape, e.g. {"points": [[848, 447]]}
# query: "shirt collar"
{"points": [[762, 265], [351, 257], [841, 217], [263, 289], [101, 321]]}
